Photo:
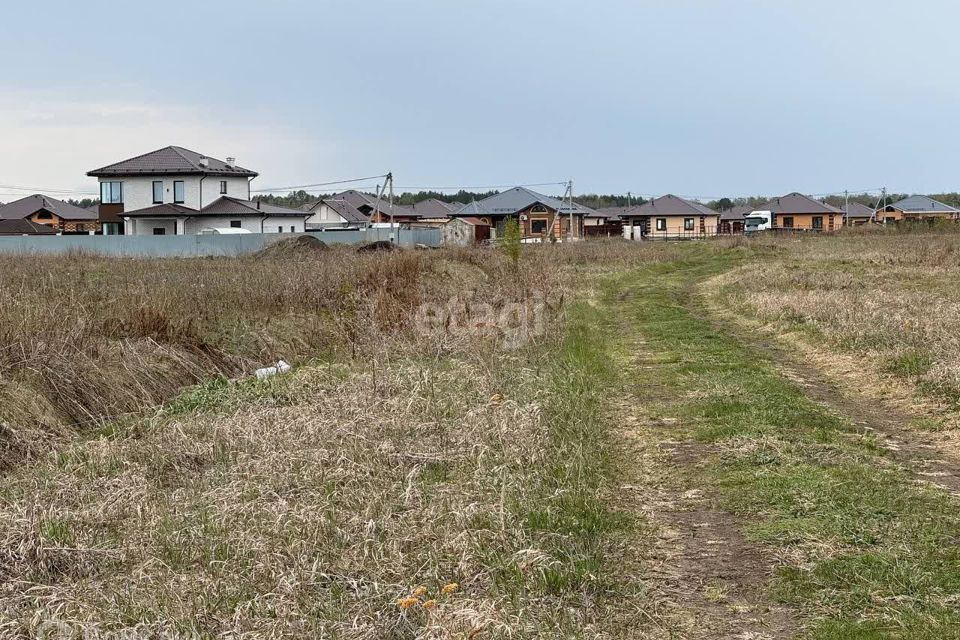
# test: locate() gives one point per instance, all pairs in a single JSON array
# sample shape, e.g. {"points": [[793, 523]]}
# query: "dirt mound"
{"points": [[379, 245], [292, 247]]}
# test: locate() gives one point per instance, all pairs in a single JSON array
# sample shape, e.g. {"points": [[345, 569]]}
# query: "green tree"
{"points": [[512, 241]]}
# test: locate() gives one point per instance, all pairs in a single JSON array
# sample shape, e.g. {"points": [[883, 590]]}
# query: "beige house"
{"points": [[917, 209], [669, 217]]}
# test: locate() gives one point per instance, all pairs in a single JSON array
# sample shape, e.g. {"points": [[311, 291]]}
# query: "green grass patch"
{"points": [[883, 549]]}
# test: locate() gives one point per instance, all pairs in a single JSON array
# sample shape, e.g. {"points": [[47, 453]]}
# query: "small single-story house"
{"points": [[604, 223], [25, 227], [916, 209], [856, 214], [334, 211], [224, 213], [803, 213], [732, 220], [540, 217], [60, 216], [669, 216], [434, 209]]}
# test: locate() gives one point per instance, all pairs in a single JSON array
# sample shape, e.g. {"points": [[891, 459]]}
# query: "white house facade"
{"points": [[169, 176], [224, 215]]}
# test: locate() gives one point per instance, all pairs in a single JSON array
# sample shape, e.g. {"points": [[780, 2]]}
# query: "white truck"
{"points": [[758, 221]]}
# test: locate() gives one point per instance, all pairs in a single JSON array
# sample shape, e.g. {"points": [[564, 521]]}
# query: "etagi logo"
{"points": [[513, 322]]}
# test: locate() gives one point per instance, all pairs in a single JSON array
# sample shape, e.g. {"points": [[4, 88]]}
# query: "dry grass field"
{"points": [[602, 441], [406, 480]]}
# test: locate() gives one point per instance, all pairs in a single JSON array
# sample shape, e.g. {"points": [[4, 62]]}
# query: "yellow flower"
{"points": [[429, 604], [449, 588], [420, 591], [406, 603]]}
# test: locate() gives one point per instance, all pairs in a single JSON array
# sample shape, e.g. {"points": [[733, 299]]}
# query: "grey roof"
{"points": [[610, 213], [738, 212], [516, 200], [924, 204], [797, 203], [669, 205], [171, 161], [224, 206], [857, 210], [227, 206], [433, 208], [26, 207], [345, 210], [22, 226], [162, 211]]}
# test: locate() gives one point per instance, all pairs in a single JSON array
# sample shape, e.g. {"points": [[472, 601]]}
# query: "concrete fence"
{"points": [[200, 246]]}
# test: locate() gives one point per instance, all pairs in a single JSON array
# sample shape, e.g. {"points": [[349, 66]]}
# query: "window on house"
{"points": [[292, 229], [178, 192], [538, 226], [159, 231], [279, 229], [111, 192], [44, 215], [818, 222], [158, 192], [688, 224], [788, 222], [234, 224], [223, 187], [661, 224]]}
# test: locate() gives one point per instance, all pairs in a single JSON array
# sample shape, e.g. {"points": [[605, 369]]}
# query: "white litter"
{"points": [[266, 372]]}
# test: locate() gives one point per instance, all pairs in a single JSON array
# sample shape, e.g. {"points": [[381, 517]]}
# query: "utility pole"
{"points": [[390, 180], [846, 207], [570, 190]]}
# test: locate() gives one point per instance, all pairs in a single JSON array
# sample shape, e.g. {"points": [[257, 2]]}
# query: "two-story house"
{"points": [[175, 191]]}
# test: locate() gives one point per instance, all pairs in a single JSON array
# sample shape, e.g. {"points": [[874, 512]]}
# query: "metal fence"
{"points": [[201, 245]]}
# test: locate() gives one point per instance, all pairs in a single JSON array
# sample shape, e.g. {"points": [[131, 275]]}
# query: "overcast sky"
{"points": [[694, 97]]}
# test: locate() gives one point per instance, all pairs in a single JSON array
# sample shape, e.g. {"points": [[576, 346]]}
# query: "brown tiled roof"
{"points": [[26, 207], [857, 210], [738, 212], [171, 161], [224, 206], [797, 203], [22, 226], [669, 205]]}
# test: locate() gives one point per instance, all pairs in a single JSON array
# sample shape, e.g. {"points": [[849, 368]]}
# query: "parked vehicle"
{"points": [[756, 221]]}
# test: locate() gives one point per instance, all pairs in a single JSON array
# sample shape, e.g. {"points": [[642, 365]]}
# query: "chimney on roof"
{"points": [[231, 161], [204, 162], [258, 205]]}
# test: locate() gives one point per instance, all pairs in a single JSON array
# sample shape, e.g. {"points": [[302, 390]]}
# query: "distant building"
{"points": [[24, 227], [916, 209], [670, 217], [856, 214], [60, 217], [540, 217], [732, 220], [169, 176], [803, 213]]}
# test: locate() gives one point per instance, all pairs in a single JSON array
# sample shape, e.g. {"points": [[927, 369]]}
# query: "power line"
{"points": [[488, 186], [45, 190], [318, 184]]}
